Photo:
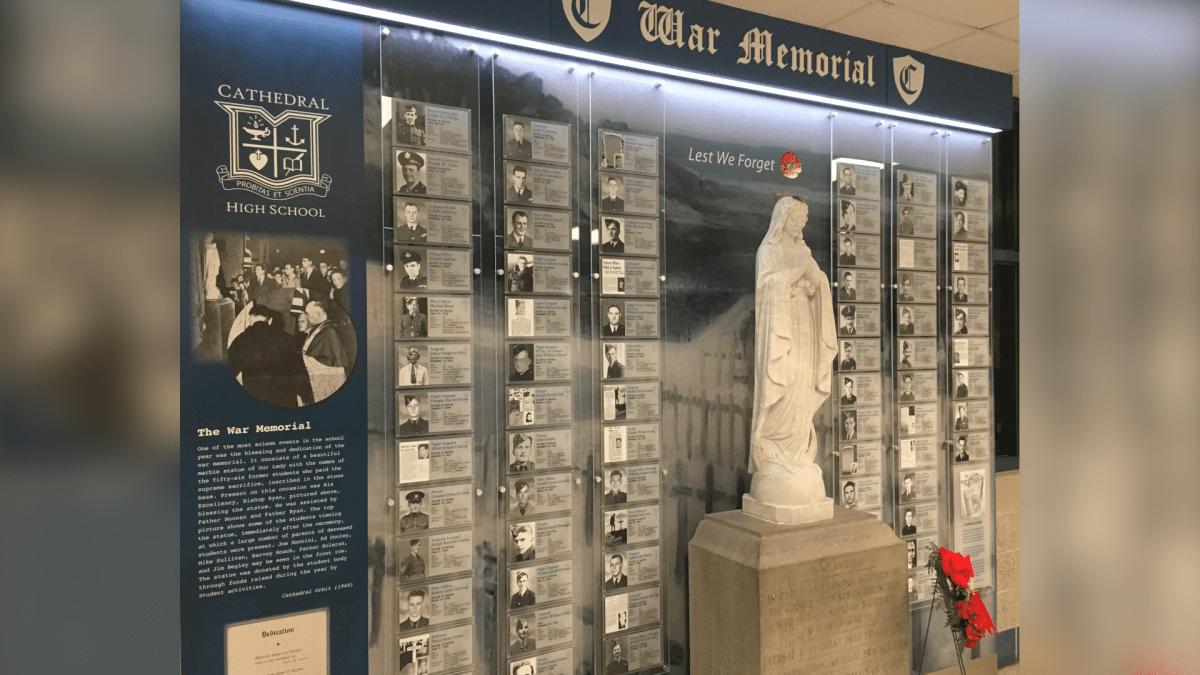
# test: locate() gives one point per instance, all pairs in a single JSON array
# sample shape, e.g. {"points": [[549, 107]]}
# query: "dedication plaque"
{"points": [[537, 184], [915, 452], [443, 554], [299, 643], [528, 406], [527, 228], [858, 320], [970, 289], [918, 485], [916, 287], [859, 423], [917, 519], [860, 390], [434, 459], [857, 180], [916, 254], [973, 446], [972, 351], [544, 493], [628, 276], [433, 269], [856, 354], [628, 318], [638, 565], [548, 582], [917, 385], [917, 188], [420, 413], [449, 506], [968, 226], [918, 419], [436, 175], [548, 627], [917, 320], [625, 193], [858, 217], [538, 317], [629, 360], [971, 194], [917, 353], [538, 140], [546, 360], [979, 413], [641, 483], [436, 364], [632, 525], [434, 604], [858, 285], [634, 401], [861, 458], [858, 250], [970, 321], [632, 610], [432, 126], [968, 257], [552, 537], [861, 493], [421, 221], [916, 221], [630, 442], [972, 383], [629, 152], [537, 273], [628, 235], [421, 316], [539, 449]]}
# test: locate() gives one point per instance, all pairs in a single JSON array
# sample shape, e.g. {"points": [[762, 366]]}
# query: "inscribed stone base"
{"points": [[822, 510], [828, 597]]}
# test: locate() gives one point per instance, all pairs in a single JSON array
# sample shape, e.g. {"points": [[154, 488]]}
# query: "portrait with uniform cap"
{"points": [[415, 561], [414, 519], [410, 361], [847, 327], [410, 261], [612, 231], [410, 172], [409, 123], [410, 410]]}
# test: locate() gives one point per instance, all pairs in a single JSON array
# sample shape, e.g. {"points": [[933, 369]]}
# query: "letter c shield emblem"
{"points": [[910, 77], [588, 17]]}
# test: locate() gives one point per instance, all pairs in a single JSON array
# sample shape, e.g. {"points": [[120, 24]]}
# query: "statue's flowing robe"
{"points": [[795, 343]]}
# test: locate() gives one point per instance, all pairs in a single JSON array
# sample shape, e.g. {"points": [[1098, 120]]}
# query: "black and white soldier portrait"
{"points": [[614, 319], [848, 396], [518, 235], [410, 261], [910, 527], [846, 180], [413, 373], [615, 573], [614, 191], [410, 127], [906, 189], [907, 395], [416, 609], [908, 494], [846, 289], [847, 216], [614, 357], [522, 589], [519, 272], [849, 431], [906, 284], [847, 326], [960, 226], [522, 547], [414, 322], [615, 494], [522, 634], [415, 424], [905, 227], [521, 500], [521, 368], [518, 190], [416, 518], [960, 321], [411, 166], [960, 289], [961, 447], [612, 242], [846, 255], [415, 561], [517, 144], [847, 362], [616, 657], [961, 423], [960, 385], [521, 453], [960, 193], [410, 230], [905, 327], [850, 495]]}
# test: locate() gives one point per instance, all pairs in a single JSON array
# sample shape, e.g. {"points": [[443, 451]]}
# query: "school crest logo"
{"points": [[273, 156], [910, 77], [588, 17]]}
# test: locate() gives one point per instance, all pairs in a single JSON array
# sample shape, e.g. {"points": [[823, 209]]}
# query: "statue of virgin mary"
{"points": [[795, 342]]}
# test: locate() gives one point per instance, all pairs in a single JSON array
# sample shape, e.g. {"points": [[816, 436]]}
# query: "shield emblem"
{"points": [[588, 17], [276, 154], [910, 77]]}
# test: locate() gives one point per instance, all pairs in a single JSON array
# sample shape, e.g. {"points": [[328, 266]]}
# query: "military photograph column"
{"points": [[628, 351], [435, 373], [858, 386], [538, 271], [970, 384], [918, 466]]}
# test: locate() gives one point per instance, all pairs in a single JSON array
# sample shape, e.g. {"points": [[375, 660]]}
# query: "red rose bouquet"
{"points": [[966, 615]]}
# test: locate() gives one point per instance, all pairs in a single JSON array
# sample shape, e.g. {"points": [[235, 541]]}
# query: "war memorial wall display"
{"points": [[469, 330]]}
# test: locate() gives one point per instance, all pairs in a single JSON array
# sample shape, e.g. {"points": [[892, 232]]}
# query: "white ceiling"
{"points": [[982, 33]]}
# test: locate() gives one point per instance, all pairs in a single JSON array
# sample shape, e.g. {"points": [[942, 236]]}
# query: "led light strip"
{"points": [[559, 50]]}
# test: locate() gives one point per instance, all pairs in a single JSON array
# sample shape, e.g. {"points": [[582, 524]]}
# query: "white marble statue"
{"points": [[795, 342], [212, 268]]}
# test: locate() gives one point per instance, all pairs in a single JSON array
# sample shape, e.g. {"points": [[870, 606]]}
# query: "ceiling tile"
{"points": [[808, 12], [895, 27], [975, 13], [983, 50], [1010, 29]]}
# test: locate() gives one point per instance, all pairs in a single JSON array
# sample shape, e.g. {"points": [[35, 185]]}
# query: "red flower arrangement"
{"points": [[966, 615]]}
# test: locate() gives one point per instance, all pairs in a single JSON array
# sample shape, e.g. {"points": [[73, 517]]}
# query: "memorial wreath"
{"points": [[966, 615]]}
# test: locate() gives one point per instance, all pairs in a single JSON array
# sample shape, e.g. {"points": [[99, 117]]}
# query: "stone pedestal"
{"points": [[828, 597]]}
